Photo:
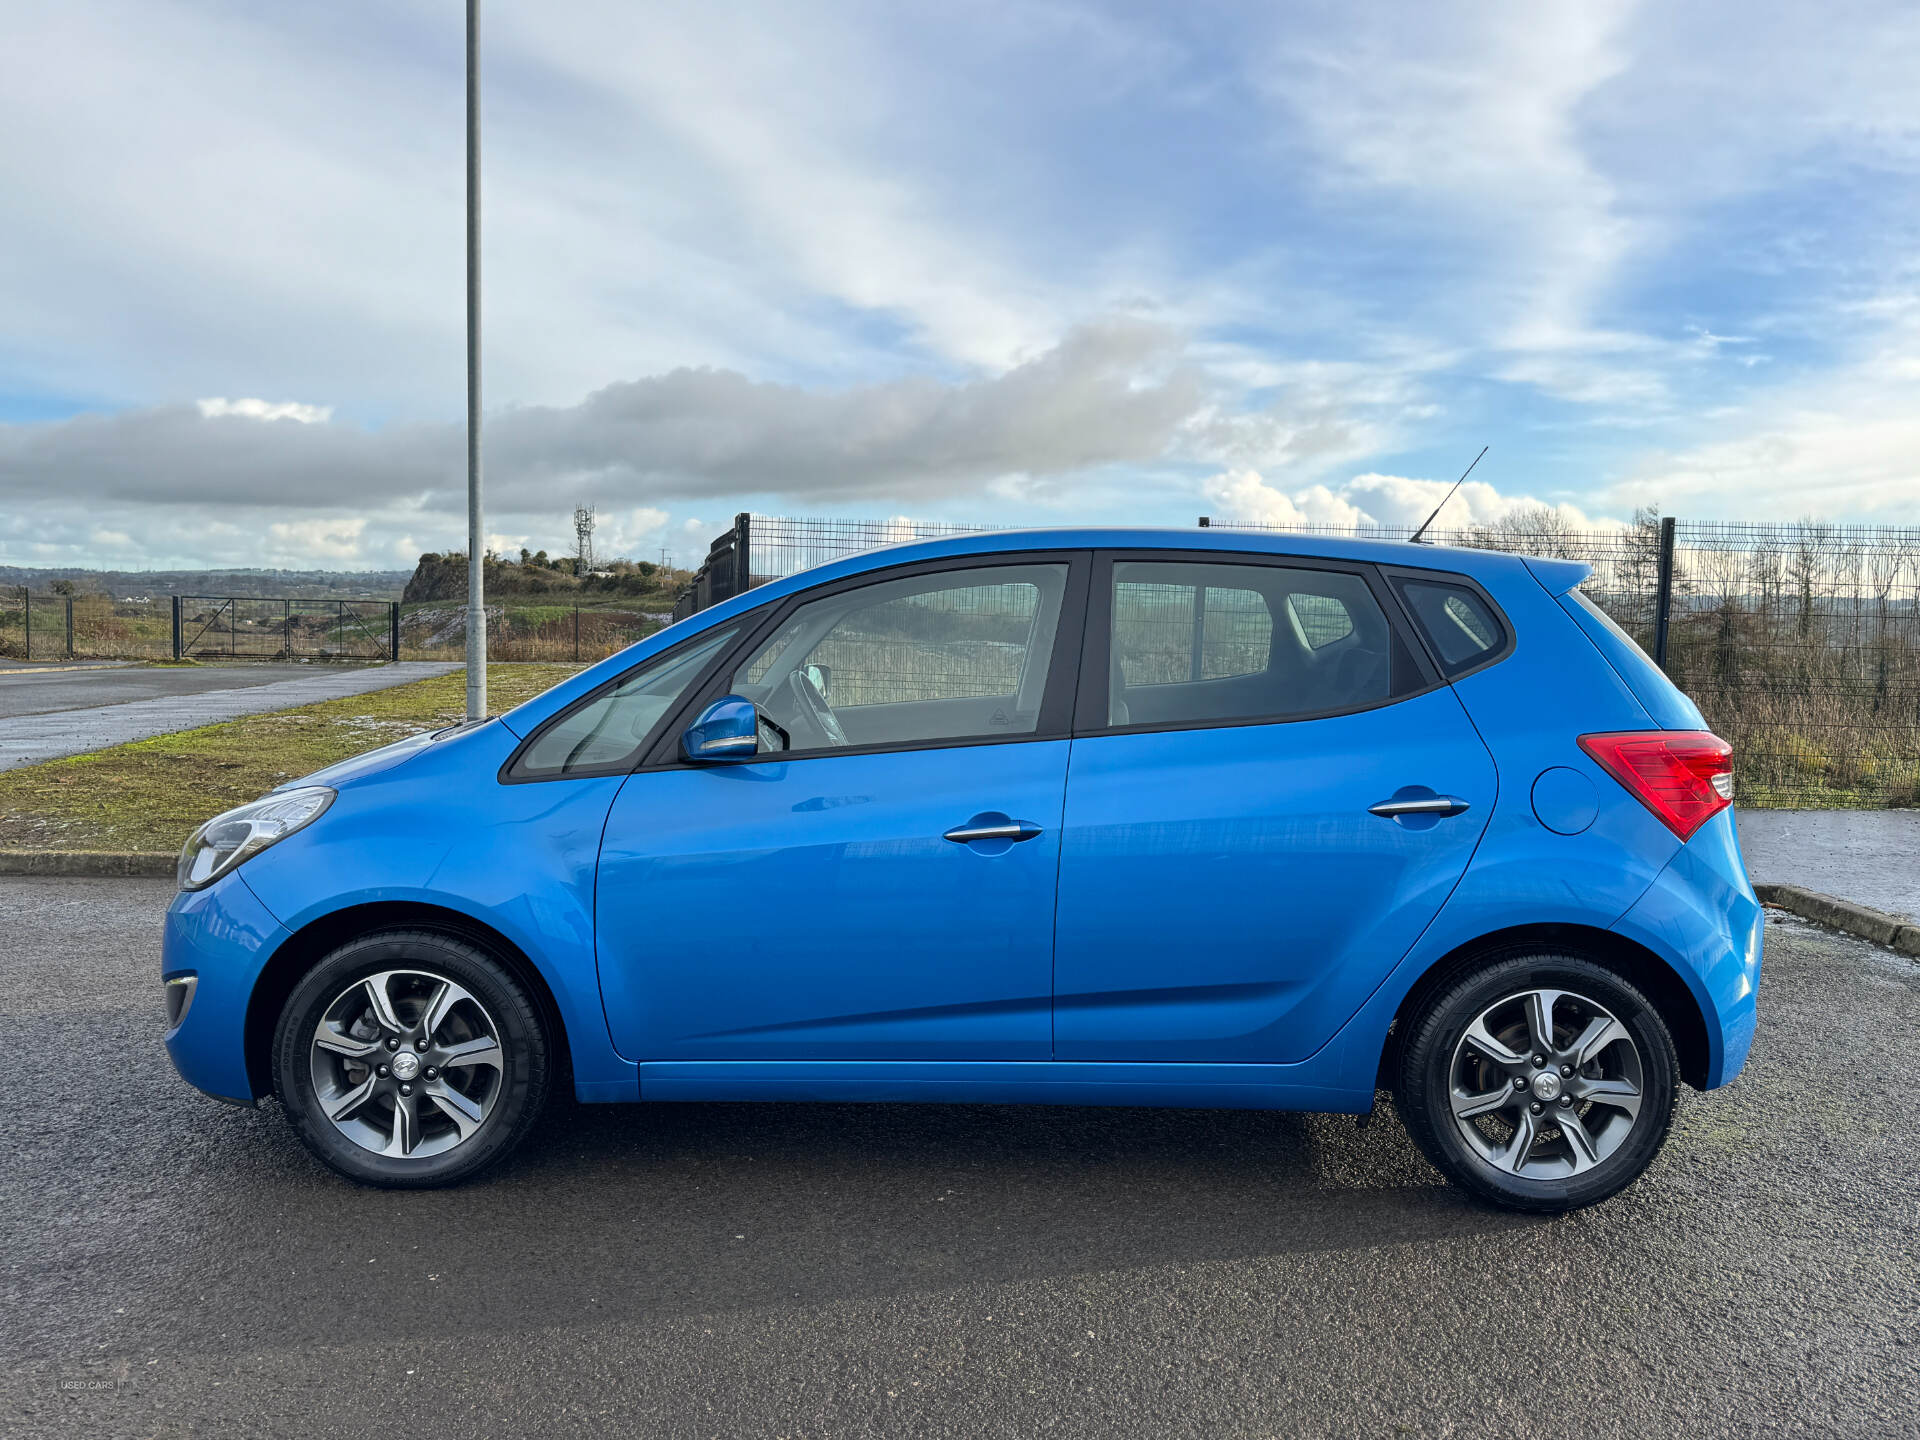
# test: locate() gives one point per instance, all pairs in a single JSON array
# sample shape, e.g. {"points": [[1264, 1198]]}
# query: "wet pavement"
{"points": [[1871, 857], [172, 1266]]}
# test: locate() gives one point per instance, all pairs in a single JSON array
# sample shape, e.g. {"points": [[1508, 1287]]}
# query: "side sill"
{"points": [[1008, 1082]]}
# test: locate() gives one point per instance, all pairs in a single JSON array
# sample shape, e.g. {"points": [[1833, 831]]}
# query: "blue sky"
{"points": [[1006, 262]]}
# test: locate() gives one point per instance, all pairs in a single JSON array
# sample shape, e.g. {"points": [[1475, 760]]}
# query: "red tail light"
{"points": [[1683, 776]]}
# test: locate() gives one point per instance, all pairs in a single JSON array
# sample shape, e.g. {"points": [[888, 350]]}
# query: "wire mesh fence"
{"points": [[786, 545], [212, 628], [33, 627], [1799, 642]]}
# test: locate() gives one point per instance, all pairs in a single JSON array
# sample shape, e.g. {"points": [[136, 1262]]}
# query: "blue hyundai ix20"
{"points": [[1063, 817]]}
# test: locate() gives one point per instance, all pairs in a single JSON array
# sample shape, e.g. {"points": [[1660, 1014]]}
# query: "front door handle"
{"points": [[1420, 805], [1015, 830]]}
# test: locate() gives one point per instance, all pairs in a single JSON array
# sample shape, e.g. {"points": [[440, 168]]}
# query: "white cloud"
{"points": [[217, 407], [1373, 500], [1471, 115], [338, 538]]}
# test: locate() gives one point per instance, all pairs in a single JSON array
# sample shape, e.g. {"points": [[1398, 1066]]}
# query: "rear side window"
{"points": [[607, 729], [1205, 643], [1460, 626]]}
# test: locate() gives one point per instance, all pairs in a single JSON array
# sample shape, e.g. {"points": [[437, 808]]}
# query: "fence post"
{"points": [[178, 637], [69, 627], [26, 643], [393, 631], [1663, 593], [576, 632], [742, 553]]}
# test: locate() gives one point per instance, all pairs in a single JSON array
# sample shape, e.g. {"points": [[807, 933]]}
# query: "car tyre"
{"points": [[1540, 1082], [408, 1059]]}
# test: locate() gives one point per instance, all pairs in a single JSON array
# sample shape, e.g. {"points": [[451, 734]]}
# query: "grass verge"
{"points": [[149, 795]]}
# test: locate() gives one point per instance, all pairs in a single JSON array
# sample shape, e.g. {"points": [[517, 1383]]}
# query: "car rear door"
{"points": [[1272, 793]]}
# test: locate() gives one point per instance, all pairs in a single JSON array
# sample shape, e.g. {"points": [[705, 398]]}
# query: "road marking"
{"points": [[63, 669]]}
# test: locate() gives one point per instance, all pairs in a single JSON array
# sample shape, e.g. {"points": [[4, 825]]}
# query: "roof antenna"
{"points": [[1414, 539]]}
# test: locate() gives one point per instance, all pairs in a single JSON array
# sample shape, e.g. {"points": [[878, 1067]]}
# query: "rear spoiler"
{"points": [[1559, 576]]}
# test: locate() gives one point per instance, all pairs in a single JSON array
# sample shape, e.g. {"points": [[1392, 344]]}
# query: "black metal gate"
{"points": [[243, 627]]}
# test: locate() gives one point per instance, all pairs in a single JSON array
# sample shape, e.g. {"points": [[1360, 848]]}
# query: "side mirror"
{"points": [[732, 728]]}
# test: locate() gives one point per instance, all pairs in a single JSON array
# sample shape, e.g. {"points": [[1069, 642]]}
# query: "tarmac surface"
{"points": [[1871, 857], [171, 1266], [66, 710]]}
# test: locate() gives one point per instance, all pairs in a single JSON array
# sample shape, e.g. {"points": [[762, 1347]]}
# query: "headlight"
{"points": [[227, 840]]}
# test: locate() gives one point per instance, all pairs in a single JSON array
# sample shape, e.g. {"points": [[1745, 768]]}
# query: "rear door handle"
{"points": [[1420, 805], [1015, 830]]}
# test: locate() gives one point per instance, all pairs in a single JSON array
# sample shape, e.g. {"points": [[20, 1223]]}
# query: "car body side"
{"points": [[425, 835]]}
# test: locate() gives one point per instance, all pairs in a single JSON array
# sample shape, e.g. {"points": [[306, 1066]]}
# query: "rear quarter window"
{"points": [[1461, 628]]}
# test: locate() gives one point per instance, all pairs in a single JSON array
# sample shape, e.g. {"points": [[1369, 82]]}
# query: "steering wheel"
{"points": [[814, 706]]}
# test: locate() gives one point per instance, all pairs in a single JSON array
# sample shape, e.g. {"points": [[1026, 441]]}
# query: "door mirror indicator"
{"points": [[731, 729]]}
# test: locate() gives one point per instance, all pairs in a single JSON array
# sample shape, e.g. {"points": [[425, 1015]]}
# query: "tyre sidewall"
{"points": [[1426, 1080], [523, 1082]]}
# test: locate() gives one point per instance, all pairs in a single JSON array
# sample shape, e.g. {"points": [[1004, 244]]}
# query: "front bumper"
{"points": [[1701, 913], [222, 936]]}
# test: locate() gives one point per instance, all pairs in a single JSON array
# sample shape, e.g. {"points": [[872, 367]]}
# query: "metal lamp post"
{"points": [[476, 528]]}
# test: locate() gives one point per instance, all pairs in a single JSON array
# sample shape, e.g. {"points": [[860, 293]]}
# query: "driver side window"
{"points": [[947, 656]]}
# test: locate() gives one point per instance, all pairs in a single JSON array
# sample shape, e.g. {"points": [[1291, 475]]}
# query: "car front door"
{"points": [[1271, 795], [882, 889]]}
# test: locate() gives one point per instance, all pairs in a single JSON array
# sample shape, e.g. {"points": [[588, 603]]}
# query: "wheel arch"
{"points": [[1653, 976], [302, 950]]}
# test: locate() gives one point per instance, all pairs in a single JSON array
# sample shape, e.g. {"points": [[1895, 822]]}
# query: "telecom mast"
{"points": [[583, 539]]}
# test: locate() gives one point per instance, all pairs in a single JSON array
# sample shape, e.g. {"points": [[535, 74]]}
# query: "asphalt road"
{"points": [[44, 689], [172, 1266], [69, 712]]}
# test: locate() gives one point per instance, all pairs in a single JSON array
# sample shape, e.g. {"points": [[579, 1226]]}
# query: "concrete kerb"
{"points": [[92, 864], [1882, 929]]}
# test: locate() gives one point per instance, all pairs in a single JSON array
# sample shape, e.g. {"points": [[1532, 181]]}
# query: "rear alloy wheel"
{"points": [[409, 1059], [1542, 1083]]}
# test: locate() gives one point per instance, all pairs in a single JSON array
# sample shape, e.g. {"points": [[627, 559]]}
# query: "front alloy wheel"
{"points": [[406, 1063], [1541, 1082], [407, 1058]]}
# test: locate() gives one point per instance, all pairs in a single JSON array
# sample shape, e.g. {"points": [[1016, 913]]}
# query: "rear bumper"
{"points": [[1702, 915], [222, 936]]}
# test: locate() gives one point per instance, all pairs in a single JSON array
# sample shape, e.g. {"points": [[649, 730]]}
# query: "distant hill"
{"points": [[440, 578], [273, 584]]}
